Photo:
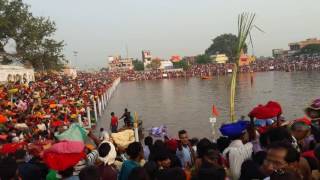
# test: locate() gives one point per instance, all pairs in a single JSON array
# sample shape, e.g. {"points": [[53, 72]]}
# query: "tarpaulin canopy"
{"points": [[270, 110]]}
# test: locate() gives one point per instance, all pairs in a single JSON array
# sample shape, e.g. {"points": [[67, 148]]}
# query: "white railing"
{"points": [[99, 105]]}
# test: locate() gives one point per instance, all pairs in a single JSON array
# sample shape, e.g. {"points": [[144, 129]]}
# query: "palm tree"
{"points": [[245, 25]]}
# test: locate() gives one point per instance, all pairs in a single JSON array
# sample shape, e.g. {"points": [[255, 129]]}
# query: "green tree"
{"points": [[138, 65], [33, 36], [181, 64], [224, 44], [203, 59], [155, 64], [310, 49]]}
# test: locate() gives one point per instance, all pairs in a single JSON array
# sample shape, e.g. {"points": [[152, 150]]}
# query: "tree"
{"points": [[203, 59], [310, 49], [33, 36], [138, 65], [181, 64], [224, 44], [155, 64]]}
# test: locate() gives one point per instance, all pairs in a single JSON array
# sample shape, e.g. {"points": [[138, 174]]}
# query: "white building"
{"points": [[14, 73], [146, 57], [117, 63], [70, 71], [165, 64], [219, 58]]}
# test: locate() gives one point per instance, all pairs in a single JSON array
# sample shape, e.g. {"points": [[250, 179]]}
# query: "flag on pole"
{"points": [[215, 112]]}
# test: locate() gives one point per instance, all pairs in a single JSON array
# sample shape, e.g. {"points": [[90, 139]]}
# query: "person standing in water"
{"points": [[126, 116]]}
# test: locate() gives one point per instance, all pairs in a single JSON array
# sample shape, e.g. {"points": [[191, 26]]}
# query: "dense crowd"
{"points": [[41, 138], [34, 114], [200, 70]]}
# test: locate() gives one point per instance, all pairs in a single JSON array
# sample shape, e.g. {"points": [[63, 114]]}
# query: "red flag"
{"points": [[215, 111]]}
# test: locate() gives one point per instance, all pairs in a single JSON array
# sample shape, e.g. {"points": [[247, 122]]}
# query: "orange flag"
{"points": [[215, 111]]}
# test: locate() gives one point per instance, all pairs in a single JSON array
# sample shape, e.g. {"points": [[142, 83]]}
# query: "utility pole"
{"points": [[127, 51], [75, 54]]}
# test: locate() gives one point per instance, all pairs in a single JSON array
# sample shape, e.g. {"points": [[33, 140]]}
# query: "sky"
{"points": [[97, 29]]}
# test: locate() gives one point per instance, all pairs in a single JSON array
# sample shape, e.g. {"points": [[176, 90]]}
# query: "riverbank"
{"points": [[208, 70]]}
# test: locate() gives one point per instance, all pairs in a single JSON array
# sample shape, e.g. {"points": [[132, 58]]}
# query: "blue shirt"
{"points": [[126, 169], [185, 156]]}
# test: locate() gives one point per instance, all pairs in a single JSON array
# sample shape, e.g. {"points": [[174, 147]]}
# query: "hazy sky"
{"points": [[99, 28]]}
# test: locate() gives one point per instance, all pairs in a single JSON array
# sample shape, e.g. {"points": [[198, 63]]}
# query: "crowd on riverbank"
{"points": [[200, 70], [40, 138]]}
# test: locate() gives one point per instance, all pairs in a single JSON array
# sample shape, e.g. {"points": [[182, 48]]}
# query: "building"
{"points": [[116, 63], [219, 58], [278, 53], [297, 46], [146, 57], [70, 71], [165, 64], [190, 59], [294, 48], [245, 60], [175, 58], [16, 73]]}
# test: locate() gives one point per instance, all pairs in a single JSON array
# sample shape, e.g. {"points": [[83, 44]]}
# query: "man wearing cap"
{"points": [[239, 149]]}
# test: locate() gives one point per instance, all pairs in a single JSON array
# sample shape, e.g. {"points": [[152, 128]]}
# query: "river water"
{"points": [[186, 103]]}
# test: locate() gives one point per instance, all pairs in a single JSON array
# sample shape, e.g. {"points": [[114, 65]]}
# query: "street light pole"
{"points": [[75, 54]]}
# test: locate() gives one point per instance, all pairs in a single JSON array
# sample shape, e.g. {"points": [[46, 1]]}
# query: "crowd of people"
{"points": [[40, 138], [34, 114], [200, 70]]}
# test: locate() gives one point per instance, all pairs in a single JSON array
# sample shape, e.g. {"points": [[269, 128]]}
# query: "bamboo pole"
{"points": [[233, 93], [245, 24]]}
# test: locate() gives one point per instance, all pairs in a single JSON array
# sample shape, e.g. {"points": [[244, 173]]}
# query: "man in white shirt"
{"points": [[239, 149], [185, 151]]}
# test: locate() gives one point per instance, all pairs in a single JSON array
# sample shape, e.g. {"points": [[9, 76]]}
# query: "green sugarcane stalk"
{"points": [[245, 24]]}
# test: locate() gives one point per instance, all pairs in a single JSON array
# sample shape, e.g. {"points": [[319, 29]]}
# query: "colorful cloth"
{"points": [[234, 129], [60, 162], [270, 110], [67, 147], [74, 133]]}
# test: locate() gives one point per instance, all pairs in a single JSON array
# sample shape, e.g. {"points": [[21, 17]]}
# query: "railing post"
{"points": [[99, 107], [80, 119], [95, 110], [89, 117]]}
